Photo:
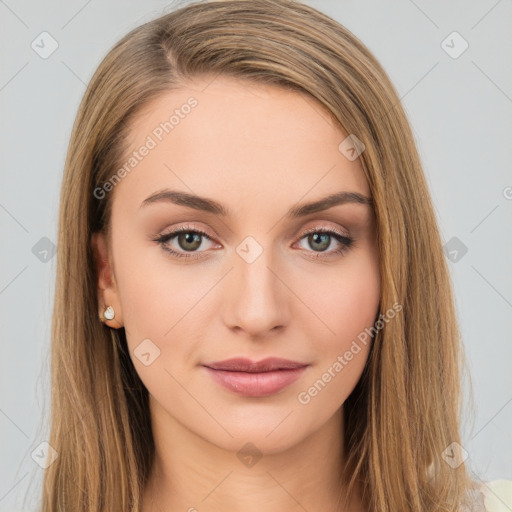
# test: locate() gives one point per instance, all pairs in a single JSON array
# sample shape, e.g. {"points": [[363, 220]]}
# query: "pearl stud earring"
{"points": [[108, 313]]}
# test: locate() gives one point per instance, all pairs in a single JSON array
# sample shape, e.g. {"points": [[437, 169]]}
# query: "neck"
{"points": [[191, 474]]}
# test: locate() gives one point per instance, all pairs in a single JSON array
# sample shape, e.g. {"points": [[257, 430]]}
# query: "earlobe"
{"points": [[108, 299]]}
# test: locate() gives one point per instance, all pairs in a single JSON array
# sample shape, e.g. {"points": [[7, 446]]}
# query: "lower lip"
{"points": [[256, 384]]}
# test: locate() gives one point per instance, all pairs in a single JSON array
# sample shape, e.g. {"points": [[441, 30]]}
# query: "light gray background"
{"points": [[460, 110]]}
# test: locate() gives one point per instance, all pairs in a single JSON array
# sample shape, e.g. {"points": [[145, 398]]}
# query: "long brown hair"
{"points": [[405, 409]]}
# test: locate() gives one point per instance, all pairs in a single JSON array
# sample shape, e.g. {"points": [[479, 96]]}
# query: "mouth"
{"points": [[255, 379]]}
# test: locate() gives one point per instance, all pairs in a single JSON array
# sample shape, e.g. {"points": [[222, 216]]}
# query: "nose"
{"points": [[256, 301]]}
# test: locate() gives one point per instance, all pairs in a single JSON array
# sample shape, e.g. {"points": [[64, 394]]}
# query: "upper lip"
{"points": [[240, 364]]}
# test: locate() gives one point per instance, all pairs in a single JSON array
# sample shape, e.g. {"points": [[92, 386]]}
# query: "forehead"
{"points": [[245, 142]]}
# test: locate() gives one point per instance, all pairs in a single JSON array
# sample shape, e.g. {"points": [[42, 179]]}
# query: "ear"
{"points": [[107, 290]]}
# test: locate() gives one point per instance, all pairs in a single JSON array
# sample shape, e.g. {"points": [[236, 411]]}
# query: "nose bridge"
{"points": [[256, 303]]}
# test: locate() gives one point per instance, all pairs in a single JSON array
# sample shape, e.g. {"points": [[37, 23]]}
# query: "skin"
{"points": [[258, 150]]}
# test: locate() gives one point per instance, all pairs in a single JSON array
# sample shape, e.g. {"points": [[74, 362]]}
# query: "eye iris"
{"points": [[189, 238], [323, 238]]}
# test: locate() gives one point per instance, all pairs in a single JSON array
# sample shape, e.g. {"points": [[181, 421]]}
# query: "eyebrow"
{"points": [[211, 206]]}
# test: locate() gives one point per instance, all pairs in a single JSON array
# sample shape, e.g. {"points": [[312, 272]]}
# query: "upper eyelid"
{"points": [[205, 232], [185, 229], [325, 229]]}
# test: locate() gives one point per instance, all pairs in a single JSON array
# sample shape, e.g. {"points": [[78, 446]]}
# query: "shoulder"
{"points": [[493, 496]]}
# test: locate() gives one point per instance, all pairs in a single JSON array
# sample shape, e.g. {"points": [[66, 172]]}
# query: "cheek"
{"points": [[155, 291], [158, 299], [345, 299]]}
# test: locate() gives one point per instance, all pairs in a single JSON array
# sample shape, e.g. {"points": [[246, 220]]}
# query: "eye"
{"points": [[188, 240], [320, 239]]}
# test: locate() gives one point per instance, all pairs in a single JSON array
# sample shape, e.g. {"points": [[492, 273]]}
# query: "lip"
{"points": [[256, 379], [242, 364]]}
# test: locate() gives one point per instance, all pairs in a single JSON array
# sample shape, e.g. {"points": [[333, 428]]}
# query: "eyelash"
{"points": [[345, 242]]}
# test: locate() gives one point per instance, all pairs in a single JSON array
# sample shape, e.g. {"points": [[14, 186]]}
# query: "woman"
{"points": [[244, 208]]}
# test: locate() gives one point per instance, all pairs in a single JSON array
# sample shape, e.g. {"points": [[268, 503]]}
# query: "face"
{"points": [[212, 258]]}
